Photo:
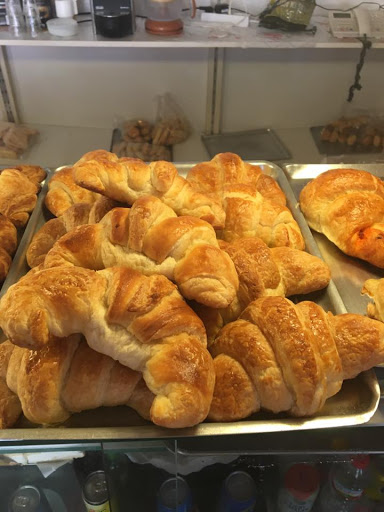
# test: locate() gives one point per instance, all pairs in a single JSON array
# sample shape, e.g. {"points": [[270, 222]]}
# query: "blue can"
{"points": [[174, 496], [238, 494]]}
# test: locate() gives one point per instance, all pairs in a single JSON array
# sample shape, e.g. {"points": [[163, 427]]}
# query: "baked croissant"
{"points": [[150, 238], [280, 271], [18, 196], [63, 192], [374, 288], [248, 214], [67, 376], [77, 215], [8, 245], [229, 169], [347, 206], [284, 357], [34, 173], [142, 322], [127, 179]]}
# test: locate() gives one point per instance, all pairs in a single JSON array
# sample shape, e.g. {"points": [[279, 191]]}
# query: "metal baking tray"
{"points": [[354, 404], [261, 144], [348, 273]]}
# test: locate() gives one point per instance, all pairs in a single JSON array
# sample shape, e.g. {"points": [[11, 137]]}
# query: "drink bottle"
{"points": [[344, 489]]}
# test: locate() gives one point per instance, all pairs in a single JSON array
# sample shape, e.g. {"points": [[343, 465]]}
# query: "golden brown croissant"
{"points": [[127, 179], [150, 238], [229, 169], [65, 377], [374, 288], [280, 271], [8, 245], [249, 214], [347, 205], [142, 322], [63, 192], [51, 231], [34, 173], [284, 357], [18, 196]]}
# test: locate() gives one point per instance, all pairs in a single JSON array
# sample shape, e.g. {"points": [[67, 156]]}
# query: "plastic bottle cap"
{"points": [[62, 27], [361, 461], [302, 480]]}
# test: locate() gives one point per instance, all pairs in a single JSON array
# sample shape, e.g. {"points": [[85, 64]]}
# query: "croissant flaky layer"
{"points": [[77, 215], [229, 169], [63, 192], [65, 377], [127, 179], [284, 357], [150, 238], [142, 322], [347, 205], [280, 271]]}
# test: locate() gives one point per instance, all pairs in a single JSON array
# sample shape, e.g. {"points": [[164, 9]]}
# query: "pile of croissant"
{"points": [[19, 187], [168, 295]]}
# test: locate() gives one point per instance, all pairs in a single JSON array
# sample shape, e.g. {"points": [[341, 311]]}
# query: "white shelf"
{"points": [[196, 35], [61, 145]]}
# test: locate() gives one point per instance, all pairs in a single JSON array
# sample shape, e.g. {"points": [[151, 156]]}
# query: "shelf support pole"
{"points": [[7, 100], [214, 91]]}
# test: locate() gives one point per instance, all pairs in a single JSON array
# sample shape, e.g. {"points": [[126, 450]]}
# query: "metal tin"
{"points": [[95, 493], [239, 493], [174, 496], [27, 499], [355, 404]]}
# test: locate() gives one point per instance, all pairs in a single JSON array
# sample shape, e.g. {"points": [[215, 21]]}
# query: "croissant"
{"points": [[249, 214], [150, 238], [34, 173], [51, 231], [8, 245], [229, 169], [284, 357], [347, 206], [18, 196], [142, 322], [127, 179], [374, 288], [63, 192], [67, 376], [280, 271]]}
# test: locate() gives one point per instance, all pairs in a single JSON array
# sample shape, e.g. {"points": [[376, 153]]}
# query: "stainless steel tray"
{"points": [[348, 273], [354, 404], [263, 144]]}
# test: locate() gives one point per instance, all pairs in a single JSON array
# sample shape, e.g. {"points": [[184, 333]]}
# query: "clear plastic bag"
{"points": [[15, 139], [143, 150], [137, 130], [171, 126]]}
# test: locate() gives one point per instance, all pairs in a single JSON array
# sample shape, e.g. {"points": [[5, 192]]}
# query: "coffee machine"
{"points": [[113, 18]]}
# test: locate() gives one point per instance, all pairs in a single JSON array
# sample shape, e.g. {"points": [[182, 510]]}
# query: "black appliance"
{"points": [[113, 18]]}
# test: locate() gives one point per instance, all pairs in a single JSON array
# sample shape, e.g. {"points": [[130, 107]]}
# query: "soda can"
{"points": [[239, 493], [27, 498], [174, 496], [95, 493]]}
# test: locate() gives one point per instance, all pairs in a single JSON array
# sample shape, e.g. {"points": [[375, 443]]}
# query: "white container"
{"points": [[299, 490], [64, 8], [62, 27]]}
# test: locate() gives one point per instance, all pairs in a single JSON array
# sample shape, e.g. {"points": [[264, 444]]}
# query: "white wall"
{"points": [[93, 86], [293, 88]]}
